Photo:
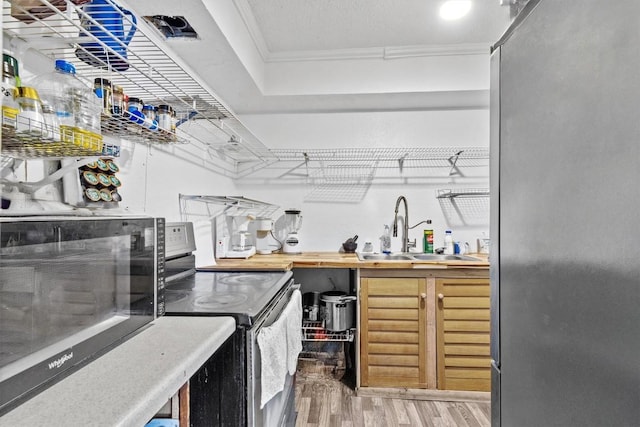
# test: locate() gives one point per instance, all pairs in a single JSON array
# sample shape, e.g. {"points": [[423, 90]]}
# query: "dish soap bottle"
{"points": [[448, 243], [385, 241]]}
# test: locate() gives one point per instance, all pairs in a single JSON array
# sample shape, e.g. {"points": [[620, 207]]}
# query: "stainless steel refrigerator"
{"points": [[565, 216]]}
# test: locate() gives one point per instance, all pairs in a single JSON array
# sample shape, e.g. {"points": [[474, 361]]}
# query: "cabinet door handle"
{"points": [[423, 296], [440, 297]]}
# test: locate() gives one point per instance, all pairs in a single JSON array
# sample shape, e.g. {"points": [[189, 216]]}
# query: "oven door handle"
{"points": [[296, 286]]}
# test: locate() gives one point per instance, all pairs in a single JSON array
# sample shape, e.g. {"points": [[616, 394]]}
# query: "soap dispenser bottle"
{"points": [[448, 243], [385, 240]]}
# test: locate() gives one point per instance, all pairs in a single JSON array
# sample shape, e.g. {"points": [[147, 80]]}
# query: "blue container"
{"points": [[105, 21]]}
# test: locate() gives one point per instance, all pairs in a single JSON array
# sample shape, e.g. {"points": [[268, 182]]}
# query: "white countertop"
{"points": [[129, 384]]}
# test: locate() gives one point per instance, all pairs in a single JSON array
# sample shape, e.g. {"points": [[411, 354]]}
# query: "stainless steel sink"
{"points": [[385, 257], [414, 257], [438, 257]]}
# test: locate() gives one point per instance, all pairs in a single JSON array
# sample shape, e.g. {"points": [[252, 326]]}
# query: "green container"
{"points": [[428, 242]]}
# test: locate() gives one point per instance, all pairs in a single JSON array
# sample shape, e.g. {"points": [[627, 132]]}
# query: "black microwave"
{"points": [[70, 289]]}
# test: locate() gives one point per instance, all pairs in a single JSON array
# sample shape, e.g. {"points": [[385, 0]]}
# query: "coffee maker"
{"points": [[293, 222], [233, 238]]}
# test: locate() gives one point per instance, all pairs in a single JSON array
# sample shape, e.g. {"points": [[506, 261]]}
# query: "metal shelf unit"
{"points": [[153, 74], [315, 331], [465, 206], [462, 193], [193, 207], [364, 165]]}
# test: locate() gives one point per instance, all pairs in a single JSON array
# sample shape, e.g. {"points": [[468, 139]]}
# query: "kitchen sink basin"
{"points": [[438, 257], [385, 257], [414, 257]]}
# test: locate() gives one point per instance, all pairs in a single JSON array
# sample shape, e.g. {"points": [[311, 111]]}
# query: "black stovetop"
{"points": [[242, 295]]}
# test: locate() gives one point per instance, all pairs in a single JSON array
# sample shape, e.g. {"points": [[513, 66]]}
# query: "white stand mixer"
{"points": [[293, 222]]}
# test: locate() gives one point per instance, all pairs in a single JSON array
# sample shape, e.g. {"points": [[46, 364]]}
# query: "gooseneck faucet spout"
{"points": [[405, 228]]}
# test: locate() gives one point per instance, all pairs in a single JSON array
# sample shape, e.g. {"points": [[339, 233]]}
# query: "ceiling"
{"points": [[304, 26], [319, 56]]}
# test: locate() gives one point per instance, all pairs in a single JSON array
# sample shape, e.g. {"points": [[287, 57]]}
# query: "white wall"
{"points": [[326, 225], [154, 178]]}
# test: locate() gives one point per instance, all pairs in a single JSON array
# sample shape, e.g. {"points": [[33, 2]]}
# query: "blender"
{"points": [[293, 222]]}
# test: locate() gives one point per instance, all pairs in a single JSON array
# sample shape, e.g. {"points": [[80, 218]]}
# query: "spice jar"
{"points": [[103, 89], [30, 118], [174, 121], [149, 112], [165, 120], [117, 107], [134, 106]]}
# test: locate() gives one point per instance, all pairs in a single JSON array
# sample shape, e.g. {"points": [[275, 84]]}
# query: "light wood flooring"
{"points": [[326, 401]]}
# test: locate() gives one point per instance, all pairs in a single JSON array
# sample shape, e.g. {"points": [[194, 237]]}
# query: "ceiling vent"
{"points": [[173, 27]]}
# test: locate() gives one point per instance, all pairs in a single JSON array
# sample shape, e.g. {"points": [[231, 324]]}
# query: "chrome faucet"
{"points": [[405, 228]]}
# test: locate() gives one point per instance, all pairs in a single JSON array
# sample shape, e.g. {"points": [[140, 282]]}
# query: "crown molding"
{"points": [[252, 27], [392, 52]]}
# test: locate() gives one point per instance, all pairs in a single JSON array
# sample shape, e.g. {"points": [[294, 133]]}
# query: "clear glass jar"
{"points": [[165, 120], [30, 118]]}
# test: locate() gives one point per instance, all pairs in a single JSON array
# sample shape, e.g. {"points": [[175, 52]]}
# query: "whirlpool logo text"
{"points": [[59, 362]]}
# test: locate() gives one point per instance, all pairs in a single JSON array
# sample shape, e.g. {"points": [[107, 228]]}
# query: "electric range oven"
{"points": [[254, 299]]}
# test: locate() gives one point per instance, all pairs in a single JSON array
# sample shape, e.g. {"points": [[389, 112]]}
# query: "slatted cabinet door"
{"points": [[464, 361], [393, 332]]}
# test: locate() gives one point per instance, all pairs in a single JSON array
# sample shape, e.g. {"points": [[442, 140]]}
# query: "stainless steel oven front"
{"points": [[280, 410], [70, 288]]}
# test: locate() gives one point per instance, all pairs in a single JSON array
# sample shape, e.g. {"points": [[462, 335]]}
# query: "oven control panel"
{"points": [[179, 239]]}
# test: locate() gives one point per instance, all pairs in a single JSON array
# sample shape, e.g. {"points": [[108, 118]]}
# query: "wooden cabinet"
{"points": [[425, 329], [464, 361], [393, 346]]}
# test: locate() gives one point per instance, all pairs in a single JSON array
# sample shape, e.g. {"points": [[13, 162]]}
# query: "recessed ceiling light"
{"points": [[454, 9]]}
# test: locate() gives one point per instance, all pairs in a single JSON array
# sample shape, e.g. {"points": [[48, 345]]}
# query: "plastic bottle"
{"points": [[385, 241], [74, 103], [51, 122], [448, 243]]}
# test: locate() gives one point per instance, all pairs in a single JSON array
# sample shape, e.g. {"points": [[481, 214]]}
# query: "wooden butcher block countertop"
{"points": [[285, 262]]}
